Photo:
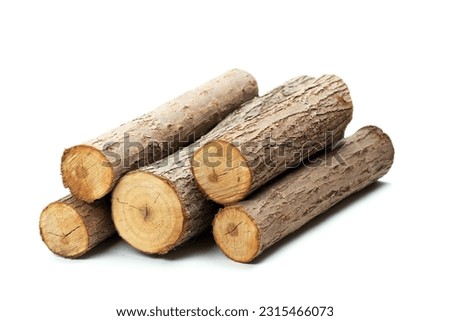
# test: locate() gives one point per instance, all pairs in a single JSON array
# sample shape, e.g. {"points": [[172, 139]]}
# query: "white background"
{"points": [[72, 70]]}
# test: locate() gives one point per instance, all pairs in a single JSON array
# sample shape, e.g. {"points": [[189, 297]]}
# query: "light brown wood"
{"points": [[159, 207], [312, 115], [244, 230], [70, 227], [91, 170]]}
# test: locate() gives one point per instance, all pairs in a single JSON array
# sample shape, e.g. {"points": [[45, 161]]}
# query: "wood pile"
{"points": [[254, 169]]}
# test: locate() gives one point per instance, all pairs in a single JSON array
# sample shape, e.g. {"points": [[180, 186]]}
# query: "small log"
{"points": [[244, 230], [159, 207], [70, 227], [90, 170], [247, 154]]}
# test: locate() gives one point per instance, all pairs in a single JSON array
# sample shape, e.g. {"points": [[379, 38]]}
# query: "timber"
{"points": [[244, 230], [159, 207], [91, 170], [70, 227], [309, 115]]}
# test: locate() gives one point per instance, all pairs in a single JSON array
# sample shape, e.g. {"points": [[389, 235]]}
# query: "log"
{"points": [[70, 227], [244, 230], [159, 207], [91, 170], [247, 154]]}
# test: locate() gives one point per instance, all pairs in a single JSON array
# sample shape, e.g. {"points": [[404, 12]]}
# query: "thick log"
{"points": [[159, 207], [244, 230], [248, 153], [91, 170], [70, 227]]}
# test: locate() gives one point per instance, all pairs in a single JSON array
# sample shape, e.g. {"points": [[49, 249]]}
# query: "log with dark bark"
{"points": [[159, 207], [264, 142], [70, 227], [244, 230], [90, 170]]}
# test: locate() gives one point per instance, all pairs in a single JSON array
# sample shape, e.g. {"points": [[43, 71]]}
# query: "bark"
{"points": [[306, 115], [90, 170], [70, 227], [159, 207], [243, 231]]}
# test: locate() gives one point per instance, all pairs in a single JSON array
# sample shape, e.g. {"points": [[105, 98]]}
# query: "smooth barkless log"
{"points": [[70, 227], [267, 141], [159, 207], [91, 170], [243, 231]]}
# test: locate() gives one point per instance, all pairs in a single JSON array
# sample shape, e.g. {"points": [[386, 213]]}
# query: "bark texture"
{"points": [[90, 170], [167, 189], [306, 115], [70, 227], [243, 231]]}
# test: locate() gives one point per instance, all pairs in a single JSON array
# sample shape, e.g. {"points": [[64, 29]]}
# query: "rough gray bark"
{"points": [[70, 227], [90, 170], [243, 231], [308, 115]]}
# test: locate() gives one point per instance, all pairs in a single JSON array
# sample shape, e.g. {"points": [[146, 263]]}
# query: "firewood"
{"points": [[70, 227], [159, 207], [244, 230], [91, 170], [266, 141]]}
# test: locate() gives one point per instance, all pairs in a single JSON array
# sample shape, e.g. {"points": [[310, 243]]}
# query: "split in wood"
{"points": [[70, 227], [159, 207]]}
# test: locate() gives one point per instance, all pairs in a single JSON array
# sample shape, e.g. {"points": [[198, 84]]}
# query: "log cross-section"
{"points": [[70, 227]]}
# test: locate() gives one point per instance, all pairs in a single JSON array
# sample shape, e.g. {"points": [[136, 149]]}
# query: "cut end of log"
{"points": [[147, 212], [63, 230], [236, 234], [222, 172], [86, 172]]}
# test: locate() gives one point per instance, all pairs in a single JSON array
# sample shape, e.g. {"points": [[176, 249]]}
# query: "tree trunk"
{"points": [[264, 142], [159, 207], [70, 227], [91, 170], [243, 231]]}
